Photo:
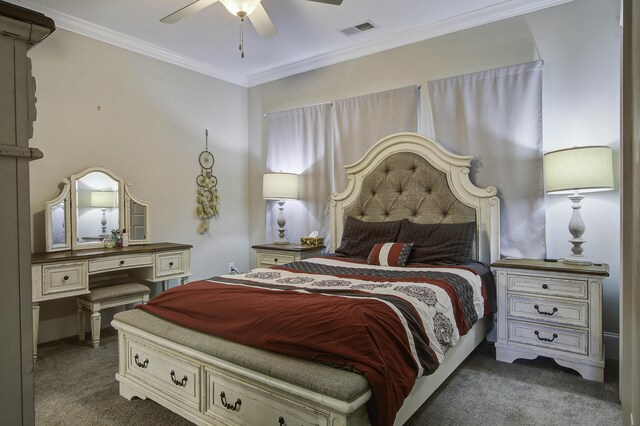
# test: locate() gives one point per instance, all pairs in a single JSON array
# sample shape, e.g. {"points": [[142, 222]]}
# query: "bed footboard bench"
{"points": [[209, 380]]}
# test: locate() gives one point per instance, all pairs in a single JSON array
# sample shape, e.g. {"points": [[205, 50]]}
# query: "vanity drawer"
{"points": [[114, 263], [170, 263], [548, 286], [244, 404], [548, 336], [276, 258], [64, 278], [549, 310], [172, 375]]}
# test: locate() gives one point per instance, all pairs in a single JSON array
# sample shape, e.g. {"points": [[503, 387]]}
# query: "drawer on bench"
{"points": [[168, 373], [245, 404]]}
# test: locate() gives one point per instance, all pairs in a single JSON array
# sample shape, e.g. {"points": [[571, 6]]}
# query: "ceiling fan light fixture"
{"points": [[240, 8]]}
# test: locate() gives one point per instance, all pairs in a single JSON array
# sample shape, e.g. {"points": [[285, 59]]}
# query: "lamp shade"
{"points": [[103, 199], [584, 169], [240, 7], [276, 186]]}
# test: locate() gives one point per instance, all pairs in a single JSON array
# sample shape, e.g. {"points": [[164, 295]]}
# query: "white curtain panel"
{"points": [[496, 116], [360, 122], [299, 142]]}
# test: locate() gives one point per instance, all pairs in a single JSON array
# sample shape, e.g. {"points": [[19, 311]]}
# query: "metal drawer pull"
{"points": [[234, 407], [122, 262], [143, 364], [544, 312], [544, 339], [177, 382], [65, 278], [545, 286], [275, 260], [170, 264], [281, 421]]}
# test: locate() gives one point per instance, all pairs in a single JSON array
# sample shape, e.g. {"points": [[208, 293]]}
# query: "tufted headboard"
{"points": [[409, 176]]}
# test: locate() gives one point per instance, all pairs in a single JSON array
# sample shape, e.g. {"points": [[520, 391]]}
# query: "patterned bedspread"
{"points": [[391, 324]]}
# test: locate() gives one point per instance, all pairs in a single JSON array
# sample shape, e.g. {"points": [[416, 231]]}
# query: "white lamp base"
{"points": [[281, 222], [576, 228], [577, 260]]}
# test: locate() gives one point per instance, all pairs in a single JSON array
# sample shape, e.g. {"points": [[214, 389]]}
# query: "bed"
{"points": [[196, 359]]}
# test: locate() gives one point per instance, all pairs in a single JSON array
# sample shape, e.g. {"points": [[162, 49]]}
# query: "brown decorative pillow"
{"points": [[439, 243], [390, 254], [358, 237]]}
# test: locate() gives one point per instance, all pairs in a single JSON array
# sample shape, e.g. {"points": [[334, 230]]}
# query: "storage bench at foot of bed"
{"points": [[210, 391]]}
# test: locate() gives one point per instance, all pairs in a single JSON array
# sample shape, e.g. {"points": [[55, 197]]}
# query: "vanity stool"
{"points": [[107, 296]]}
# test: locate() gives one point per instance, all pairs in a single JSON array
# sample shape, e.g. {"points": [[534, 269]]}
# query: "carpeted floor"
{"points": [[75, 385]]}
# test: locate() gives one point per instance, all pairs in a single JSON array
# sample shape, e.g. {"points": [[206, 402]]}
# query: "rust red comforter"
{"points": [[390, 324]]}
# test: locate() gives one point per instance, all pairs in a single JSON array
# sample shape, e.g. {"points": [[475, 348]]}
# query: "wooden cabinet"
{"points": [[551, 309], [20, 30], [268, 255]]}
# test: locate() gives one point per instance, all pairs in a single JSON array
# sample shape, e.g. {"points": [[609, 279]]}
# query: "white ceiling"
{"points": [[308, 36]]}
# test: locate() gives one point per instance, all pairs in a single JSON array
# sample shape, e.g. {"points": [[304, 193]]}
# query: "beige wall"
{"points": [[579, 43], [100, 105]]}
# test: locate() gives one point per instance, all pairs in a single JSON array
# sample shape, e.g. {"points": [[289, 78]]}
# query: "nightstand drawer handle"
{"points": [[275, 260], [544, 312], [544, 339], [281, 421], [65, 278], [122, 262], [545, 286], [225, 404], [177, 382], [170, 264]]}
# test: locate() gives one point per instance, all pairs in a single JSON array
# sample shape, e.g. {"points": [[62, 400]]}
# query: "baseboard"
{"points": [[611, 345], [59, 328]]}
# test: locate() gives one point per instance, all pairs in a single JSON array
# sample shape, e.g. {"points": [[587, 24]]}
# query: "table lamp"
{"points": [[103, 200], [280, 186], [574, 171]]}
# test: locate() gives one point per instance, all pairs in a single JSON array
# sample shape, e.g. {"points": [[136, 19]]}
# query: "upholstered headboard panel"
{"points": [[409, 176], [405, 185]]}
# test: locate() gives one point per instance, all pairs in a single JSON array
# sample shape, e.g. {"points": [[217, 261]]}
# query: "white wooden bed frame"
{"points": [[198, 400]]}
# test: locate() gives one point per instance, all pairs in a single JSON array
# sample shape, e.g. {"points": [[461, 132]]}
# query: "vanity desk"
{"points": [[61, 274], [92, 205]]}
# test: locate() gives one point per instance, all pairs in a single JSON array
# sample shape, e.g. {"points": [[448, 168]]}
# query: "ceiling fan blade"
{"points": [[186, 11], [336, 2], [262, 23]]}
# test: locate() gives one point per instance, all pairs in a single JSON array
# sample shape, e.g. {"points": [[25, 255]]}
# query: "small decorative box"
{"points": [[311, 241]]}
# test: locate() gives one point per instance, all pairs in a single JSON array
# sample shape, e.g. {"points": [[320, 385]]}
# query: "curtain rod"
{"points": [[330, 103]]}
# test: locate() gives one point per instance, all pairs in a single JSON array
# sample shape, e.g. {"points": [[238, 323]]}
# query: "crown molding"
{"points": [[504, 10], [133, 44], [500, 11]]}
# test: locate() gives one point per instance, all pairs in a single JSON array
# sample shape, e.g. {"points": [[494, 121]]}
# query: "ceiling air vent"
{"points": [[356, 29]]}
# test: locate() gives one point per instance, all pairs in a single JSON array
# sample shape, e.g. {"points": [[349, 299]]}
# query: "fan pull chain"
{"points": [[241, 47]]}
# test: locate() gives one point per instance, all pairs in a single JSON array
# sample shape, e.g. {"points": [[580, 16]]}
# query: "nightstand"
{"points": [[268, 255], [551, 309]]}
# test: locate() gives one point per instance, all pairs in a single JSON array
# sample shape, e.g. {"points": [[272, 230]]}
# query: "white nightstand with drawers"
{"points": [[551, 309], [268, 255]]}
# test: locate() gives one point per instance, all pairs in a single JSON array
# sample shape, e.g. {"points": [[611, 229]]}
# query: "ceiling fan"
{"points": [[241, 8]]}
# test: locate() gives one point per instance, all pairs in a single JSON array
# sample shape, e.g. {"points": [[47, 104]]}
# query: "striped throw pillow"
{"points": [[390, 254]]}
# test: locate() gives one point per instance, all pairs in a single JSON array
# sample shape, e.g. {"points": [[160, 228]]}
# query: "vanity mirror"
{"points": [[90, 205]]}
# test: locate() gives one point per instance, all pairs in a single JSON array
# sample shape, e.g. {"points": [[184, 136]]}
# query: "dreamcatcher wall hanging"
{"points": [[207, 198]]}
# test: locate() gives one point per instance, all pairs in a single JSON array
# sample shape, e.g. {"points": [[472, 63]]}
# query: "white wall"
{"points": [[579, 43], [100, 105]]}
